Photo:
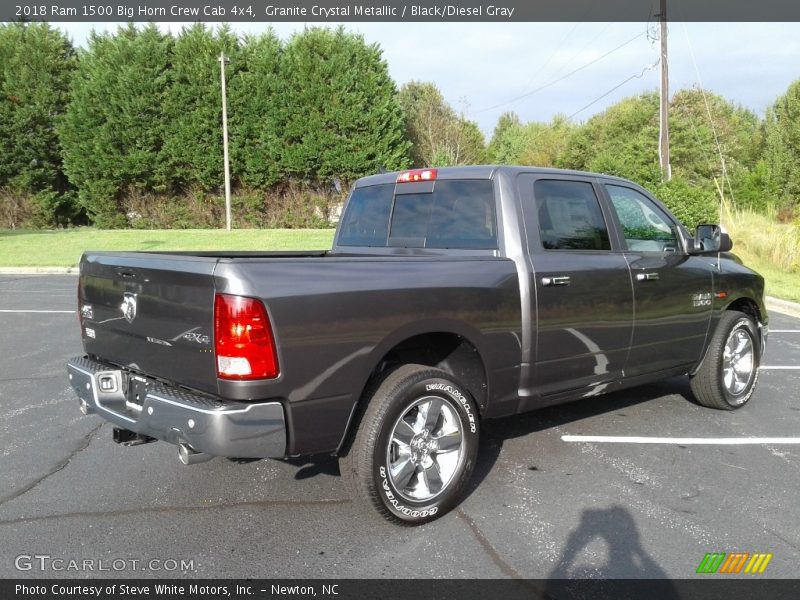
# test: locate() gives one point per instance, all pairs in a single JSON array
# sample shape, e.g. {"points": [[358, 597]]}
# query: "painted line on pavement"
{"points": [[70, 312], [612, 439]]}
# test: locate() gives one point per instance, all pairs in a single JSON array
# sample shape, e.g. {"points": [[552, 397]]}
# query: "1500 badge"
{"points": [[701, 299]]}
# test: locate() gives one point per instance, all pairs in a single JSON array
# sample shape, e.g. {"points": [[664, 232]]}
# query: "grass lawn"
{"points": [[64, 248], [779, 283]]}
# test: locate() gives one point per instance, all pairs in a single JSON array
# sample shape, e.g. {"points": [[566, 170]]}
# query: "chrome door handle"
{"points": [[646, 276], [563, 280]]}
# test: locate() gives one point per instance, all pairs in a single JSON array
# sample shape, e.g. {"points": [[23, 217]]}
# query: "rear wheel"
{"points": [[415, 447], [727, 376]]}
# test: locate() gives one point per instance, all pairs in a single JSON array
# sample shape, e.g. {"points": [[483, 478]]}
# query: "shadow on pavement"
{"points": [[495, 432]]}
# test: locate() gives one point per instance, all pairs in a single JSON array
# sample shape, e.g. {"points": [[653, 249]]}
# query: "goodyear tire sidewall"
{"points": [[464, 406]]}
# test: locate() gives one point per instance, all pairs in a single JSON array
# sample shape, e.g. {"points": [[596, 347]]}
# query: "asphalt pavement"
{"points": [[539, 506]]}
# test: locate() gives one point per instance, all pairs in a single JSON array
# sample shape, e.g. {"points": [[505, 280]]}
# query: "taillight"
{"points": [[417, 175], [243, 340]]}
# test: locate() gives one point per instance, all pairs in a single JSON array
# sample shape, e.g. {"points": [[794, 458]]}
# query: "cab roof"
{"points": [[480, 172]]}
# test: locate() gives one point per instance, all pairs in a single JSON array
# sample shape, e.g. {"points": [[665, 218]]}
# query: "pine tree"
{"points": [[36, 64], [114, 128], [256, 107], [193, 107], [341, 118]]}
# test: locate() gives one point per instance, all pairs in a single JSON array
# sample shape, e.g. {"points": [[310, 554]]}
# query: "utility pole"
{"points": [[663, 135], [222, 62]]}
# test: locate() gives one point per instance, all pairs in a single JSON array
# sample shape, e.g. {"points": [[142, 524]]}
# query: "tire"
{"points": [[724, 381], [410, 469]]}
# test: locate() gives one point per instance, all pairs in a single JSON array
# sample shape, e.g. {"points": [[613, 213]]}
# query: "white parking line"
{"points": [[70, 312], [773, 367], [784, 330], [612, 439]]}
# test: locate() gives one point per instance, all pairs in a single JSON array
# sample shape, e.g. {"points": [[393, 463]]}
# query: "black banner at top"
{"points": [[336, 11]]}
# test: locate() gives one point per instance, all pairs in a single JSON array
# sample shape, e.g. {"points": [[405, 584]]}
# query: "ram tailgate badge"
{"points": [[129, 306]]}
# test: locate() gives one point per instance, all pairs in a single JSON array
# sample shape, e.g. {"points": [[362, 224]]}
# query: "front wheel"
{"points": [[415, 447], [727, 376]]}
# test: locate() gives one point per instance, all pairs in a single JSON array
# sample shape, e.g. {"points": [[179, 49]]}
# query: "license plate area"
{"points": [[136, 393]]}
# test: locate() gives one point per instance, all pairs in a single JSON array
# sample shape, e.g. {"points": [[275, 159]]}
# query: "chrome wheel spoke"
{"points": [[402, 471], [741, 342], [449, 442], [433, 478], [403, 433], [428, 415], [744, 365]]}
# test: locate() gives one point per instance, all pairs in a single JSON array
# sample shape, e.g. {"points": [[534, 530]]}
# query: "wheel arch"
{"points": [[453, 349], [748, 306]]}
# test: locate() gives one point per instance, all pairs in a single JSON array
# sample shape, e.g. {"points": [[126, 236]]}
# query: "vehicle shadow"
{"points": [[311, 466], [495, 432]]}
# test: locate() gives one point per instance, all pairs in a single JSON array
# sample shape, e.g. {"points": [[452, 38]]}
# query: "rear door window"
{"points": [[570, 217]]}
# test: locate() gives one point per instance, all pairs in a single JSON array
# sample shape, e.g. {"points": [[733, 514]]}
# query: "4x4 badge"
{"points": [[129, 306]]}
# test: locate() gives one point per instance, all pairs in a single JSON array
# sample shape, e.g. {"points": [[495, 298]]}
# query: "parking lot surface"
{"points": [[539, 506]]}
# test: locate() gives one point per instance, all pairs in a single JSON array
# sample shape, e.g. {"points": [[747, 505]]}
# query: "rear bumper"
{"points": [[208, 425]]}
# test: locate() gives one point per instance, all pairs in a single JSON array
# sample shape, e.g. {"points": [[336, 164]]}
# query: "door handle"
{"points": [[563, 280], [646, 276]]}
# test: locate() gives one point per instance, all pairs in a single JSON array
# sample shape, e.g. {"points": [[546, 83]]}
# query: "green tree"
{"points": [[439, 136], [36, 63], [705, 130], [782, 154], [507, 121], [193, 107], [340, 116], [114, 128], [539, 144], [256, 109], [714, 145], [622, 140]]}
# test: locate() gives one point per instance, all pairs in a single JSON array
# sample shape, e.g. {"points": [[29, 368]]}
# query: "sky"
{"points": [[539, 70]]}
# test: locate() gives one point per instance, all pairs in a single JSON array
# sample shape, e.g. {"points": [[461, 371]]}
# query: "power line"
{"points": [[552, 55], [563, 77], [616, 87], [711, 122], [579, 52]]}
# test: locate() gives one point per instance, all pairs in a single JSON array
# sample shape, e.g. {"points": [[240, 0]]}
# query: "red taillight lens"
{"points": [[417, 175], [243, 339]]}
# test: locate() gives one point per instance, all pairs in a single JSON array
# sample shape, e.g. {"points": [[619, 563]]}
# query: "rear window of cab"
{"points": [[450, 213]]}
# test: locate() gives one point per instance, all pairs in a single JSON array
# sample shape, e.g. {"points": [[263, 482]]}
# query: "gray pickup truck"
{"points": [[450, 296]]}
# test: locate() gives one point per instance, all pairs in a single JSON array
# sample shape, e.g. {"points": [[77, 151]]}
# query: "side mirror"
{"points": [[710, 238]]}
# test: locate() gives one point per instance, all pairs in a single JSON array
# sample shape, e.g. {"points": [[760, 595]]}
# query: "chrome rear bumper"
{"points": [[207, 425]]}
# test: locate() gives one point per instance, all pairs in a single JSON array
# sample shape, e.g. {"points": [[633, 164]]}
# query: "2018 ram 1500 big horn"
{"points": [[450, 296]]}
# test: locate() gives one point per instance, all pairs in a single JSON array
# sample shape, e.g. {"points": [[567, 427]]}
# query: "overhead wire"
{"points": [[563, 77], [616, 87], [725, 177], [544, 65]]}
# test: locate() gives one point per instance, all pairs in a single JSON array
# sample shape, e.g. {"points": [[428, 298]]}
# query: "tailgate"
{"points": [[153, 313]]}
